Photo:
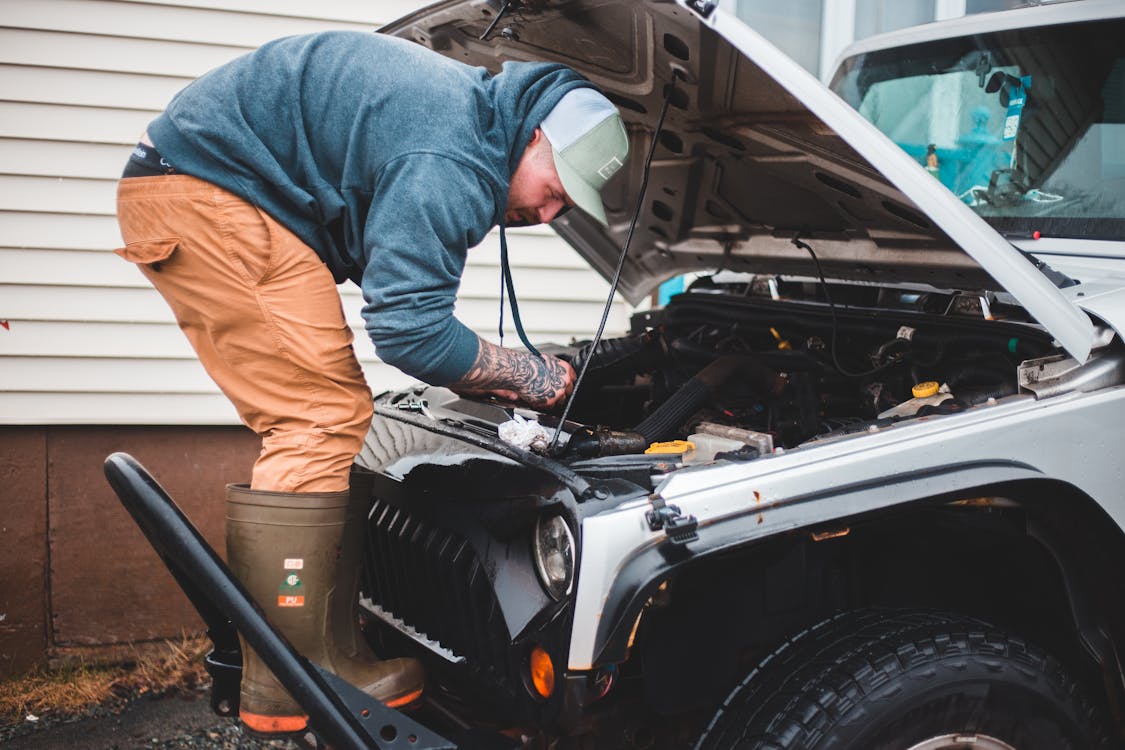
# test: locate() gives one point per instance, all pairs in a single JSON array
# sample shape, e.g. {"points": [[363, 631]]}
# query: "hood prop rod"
{"points": [[496, 19], [670, 91]]}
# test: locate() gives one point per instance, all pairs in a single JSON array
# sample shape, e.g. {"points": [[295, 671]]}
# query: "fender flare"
{"points": [[639, 576]]}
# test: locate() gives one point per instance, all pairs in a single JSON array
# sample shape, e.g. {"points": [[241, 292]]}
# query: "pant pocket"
{"points": [[247, 236], [149, 252]]}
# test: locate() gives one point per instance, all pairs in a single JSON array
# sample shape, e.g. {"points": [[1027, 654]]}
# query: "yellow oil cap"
{"points": [[672, 447], [929, 388]]}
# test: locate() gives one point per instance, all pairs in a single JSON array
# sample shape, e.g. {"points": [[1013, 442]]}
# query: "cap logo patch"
{"points": [[609, 169]]}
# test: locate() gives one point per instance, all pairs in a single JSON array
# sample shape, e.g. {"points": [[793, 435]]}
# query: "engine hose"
{"points": [[587, 442], [626, 356], [666, 420]]}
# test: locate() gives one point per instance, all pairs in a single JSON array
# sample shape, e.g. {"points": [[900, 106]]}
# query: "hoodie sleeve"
{"points": [[427, 210]]}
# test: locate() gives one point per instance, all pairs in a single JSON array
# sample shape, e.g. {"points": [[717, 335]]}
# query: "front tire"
{"points": [[903, 680]]}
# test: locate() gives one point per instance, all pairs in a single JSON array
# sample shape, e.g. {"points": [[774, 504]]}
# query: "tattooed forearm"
{"points": [[540, 382]]}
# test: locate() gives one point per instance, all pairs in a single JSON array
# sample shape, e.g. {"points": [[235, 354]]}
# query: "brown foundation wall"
{"points": [[76, 575]]}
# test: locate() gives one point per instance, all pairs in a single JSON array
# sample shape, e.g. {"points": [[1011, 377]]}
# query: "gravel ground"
{"points": [[172, 722]]}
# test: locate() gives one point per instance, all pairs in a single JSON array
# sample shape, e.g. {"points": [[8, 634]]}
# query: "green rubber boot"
{"points": [[298, 555]]}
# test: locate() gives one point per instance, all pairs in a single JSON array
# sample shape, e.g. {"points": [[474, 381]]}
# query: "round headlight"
{"points": [[554, 555]]}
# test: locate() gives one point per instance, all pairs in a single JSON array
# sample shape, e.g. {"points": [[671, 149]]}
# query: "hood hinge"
{"points": [[679, 529]]}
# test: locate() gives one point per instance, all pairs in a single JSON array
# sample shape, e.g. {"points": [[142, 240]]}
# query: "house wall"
{"points": [[77, 579], [91, 360], [87, 341]]}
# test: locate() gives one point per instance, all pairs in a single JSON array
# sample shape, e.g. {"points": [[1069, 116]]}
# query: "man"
{"points": [[341, 156]]}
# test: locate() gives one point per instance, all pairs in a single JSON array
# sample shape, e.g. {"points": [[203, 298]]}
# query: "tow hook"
{"points": [[679, 529]]}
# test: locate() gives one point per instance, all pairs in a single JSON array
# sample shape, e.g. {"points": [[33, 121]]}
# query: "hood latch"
{"points": [[680, 529]]}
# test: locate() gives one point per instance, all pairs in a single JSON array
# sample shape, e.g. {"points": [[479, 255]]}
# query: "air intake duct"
{"points": [[668, 419]]}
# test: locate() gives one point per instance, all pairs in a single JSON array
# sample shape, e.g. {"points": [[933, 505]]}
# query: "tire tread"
{"points": [[831, 674]]}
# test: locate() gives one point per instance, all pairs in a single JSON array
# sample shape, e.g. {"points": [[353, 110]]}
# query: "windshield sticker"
{"points": [[1017, 97]]}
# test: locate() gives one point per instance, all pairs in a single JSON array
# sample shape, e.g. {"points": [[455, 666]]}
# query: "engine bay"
{"points": [[770, 364]]}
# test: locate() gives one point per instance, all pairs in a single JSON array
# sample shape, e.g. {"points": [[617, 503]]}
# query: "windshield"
{"points": [[1025, 126]]}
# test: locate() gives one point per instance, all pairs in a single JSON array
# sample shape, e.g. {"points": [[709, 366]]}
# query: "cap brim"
{"points": [[583, 195]]}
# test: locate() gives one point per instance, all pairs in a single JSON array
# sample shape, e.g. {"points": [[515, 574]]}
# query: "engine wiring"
{"points": [[835, 319]]}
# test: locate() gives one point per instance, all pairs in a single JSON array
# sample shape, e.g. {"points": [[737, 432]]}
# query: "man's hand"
{"points": [[538, 382]]}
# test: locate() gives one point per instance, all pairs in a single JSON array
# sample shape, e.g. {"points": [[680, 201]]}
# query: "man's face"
{"points": [[535, 195]]}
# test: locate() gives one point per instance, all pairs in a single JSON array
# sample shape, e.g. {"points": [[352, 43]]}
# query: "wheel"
{"points": [[905, 680]]}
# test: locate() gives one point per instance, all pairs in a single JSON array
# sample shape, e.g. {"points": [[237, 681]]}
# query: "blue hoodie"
{"points": [[388, 159]]}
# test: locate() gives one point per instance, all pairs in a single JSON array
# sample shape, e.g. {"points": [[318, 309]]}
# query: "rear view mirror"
{"points": [[1004, 83]]}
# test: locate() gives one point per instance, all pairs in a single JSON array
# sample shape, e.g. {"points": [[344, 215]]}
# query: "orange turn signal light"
{"points": [[542, 672]]}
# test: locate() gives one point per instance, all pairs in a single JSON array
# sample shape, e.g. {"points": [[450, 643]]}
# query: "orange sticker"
{"points": [[290, 601]]}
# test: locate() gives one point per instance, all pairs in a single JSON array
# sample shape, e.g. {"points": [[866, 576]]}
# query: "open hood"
{"points": [[754, 152]]}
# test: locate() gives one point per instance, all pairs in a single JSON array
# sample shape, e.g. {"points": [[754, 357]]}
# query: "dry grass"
{"points": [[75, 689]]}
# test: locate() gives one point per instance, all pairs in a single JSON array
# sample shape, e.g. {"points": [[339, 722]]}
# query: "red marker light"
{"points": [[1036, 235]]}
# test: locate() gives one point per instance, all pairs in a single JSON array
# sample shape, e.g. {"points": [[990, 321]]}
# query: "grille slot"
{"points": [[431, 579]]}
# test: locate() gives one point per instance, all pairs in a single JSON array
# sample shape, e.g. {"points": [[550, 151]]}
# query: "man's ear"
{"points": [[536, 136]]}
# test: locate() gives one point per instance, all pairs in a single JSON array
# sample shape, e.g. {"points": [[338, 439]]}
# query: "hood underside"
{"points": [[751, 155]]}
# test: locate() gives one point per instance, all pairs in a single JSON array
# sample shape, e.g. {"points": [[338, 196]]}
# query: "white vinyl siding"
{"points": [[87, 340]]}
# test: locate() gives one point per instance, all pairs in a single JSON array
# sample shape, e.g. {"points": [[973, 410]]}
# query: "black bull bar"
{"points": [[339, 713]]}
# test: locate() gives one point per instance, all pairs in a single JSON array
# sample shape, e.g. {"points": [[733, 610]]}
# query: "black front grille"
{"points": [[431, 579]]}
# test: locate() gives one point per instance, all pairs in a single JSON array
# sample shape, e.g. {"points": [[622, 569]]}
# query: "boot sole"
{"points": [[273, 727], [277, 727], [406, 701]]}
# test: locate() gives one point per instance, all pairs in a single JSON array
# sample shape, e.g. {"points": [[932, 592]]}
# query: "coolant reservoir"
{"points": [[710, 439], [925, 394], [706, 446], [762, 441]]}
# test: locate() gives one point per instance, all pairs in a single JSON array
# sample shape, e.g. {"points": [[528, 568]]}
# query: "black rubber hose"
{"points": [[667, 419], [621, 357], [663, 423]]}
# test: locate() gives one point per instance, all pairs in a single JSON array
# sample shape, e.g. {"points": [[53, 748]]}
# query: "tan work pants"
{"points": [[263, 314]]}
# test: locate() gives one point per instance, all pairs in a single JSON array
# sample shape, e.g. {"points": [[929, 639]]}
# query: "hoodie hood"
{"points": [[523, 94]]}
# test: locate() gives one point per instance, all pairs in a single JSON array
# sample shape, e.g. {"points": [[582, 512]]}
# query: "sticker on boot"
{"points": [[294, 563], [291, 592]]}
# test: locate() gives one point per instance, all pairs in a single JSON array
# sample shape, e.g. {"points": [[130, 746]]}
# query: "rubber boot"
{"points": [[297, 554]]}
